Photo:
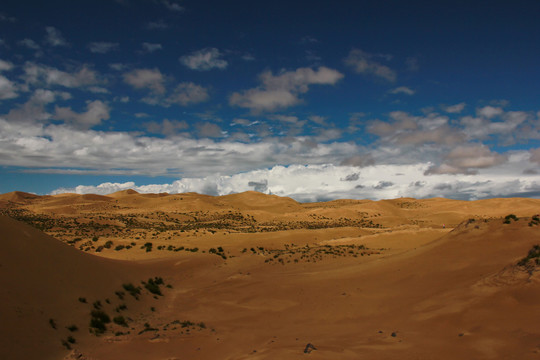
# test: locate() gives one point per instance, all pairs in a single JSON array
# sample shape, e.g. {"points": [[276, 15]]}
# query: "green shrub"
{"points": [[120, 320], [108, 244], [120, 307], [534, 253], [72, 328], [52, 323], [132, 290], [147, 246], [153, 285], [98, 321], [508, 218]]}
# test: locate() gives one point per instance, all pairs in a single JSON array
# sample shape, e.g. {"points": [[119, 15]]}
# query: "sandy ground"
{"points": [[270, 276]]}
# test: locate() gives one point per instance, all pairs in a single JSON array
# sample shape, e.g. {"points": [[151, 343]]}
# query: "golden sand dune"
{"points": [[251, 276]]}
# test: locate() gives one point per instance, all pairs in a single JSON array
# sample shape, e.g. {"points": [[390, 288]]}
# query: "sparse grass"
{"points": [[534, 253]]}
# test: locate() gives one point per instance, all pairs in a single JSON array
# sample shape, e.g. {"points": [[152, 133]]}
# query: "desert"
{"points": [[255, 276]]}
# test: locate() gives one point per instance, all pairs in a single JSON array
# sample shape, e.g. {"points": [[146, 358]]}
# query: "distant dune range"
{"points": [[254, 276]]}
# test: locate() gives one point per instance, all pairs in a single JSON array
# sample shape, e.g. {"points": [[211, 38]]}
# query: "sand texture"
{"points": [[254, 276]]}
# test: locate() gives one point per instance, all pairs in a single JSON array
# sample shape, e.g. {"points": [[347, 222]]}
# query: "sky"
{"points": [[316, 100]]}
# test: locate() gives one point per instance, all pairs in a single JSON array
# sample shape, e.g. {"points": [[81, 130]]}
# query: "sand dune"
{"points": [[253, 276]]}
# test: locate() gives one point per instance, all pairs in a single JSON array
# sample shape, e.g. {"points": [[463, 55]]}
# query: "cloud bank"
{"points": [[308, 183]]}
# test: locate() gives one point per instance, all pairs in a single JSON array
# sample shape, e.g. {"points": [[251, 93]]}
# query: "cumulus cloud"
{"points": [[535, 155], [33, 110], [166, 127], [173, 6], [38, 74], [204, 60], [359, 160], [406, 129], [157, 25], [260, 186], [324, 182], [468, 159], [102, 47], [283, 90], [8, 89], [151, 79], [54, 37], [188, 93], [210, 130], [352, 177], [507, 127], [96, 112], [5, 65], [150, 47], [489, 111], [364, 63], [454, 109], [30, 44], [402, 90]]}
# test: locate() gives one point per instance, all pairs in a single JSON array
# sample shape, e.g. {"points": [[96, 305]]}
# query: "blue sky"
{"points": [[316, 100]]}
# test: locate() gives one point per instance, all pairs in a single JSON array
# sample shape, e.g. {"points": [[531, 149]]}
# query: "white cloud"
{"points": [[8, 89], [455, 109], [54, 37], [283, 90], [96, 112], [173, 6], [467, 160], [5, 65], [34, 109], [205, 59], [489, 111], [30, 44], [152, 79], [402, 90], [150, 47], [326, 182], [513, 125], [157, 25], [166, 127], [406, 129], [188, 93], [364, 63], [535, 155], [37, 74], [209, 130], [102, 47]]}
